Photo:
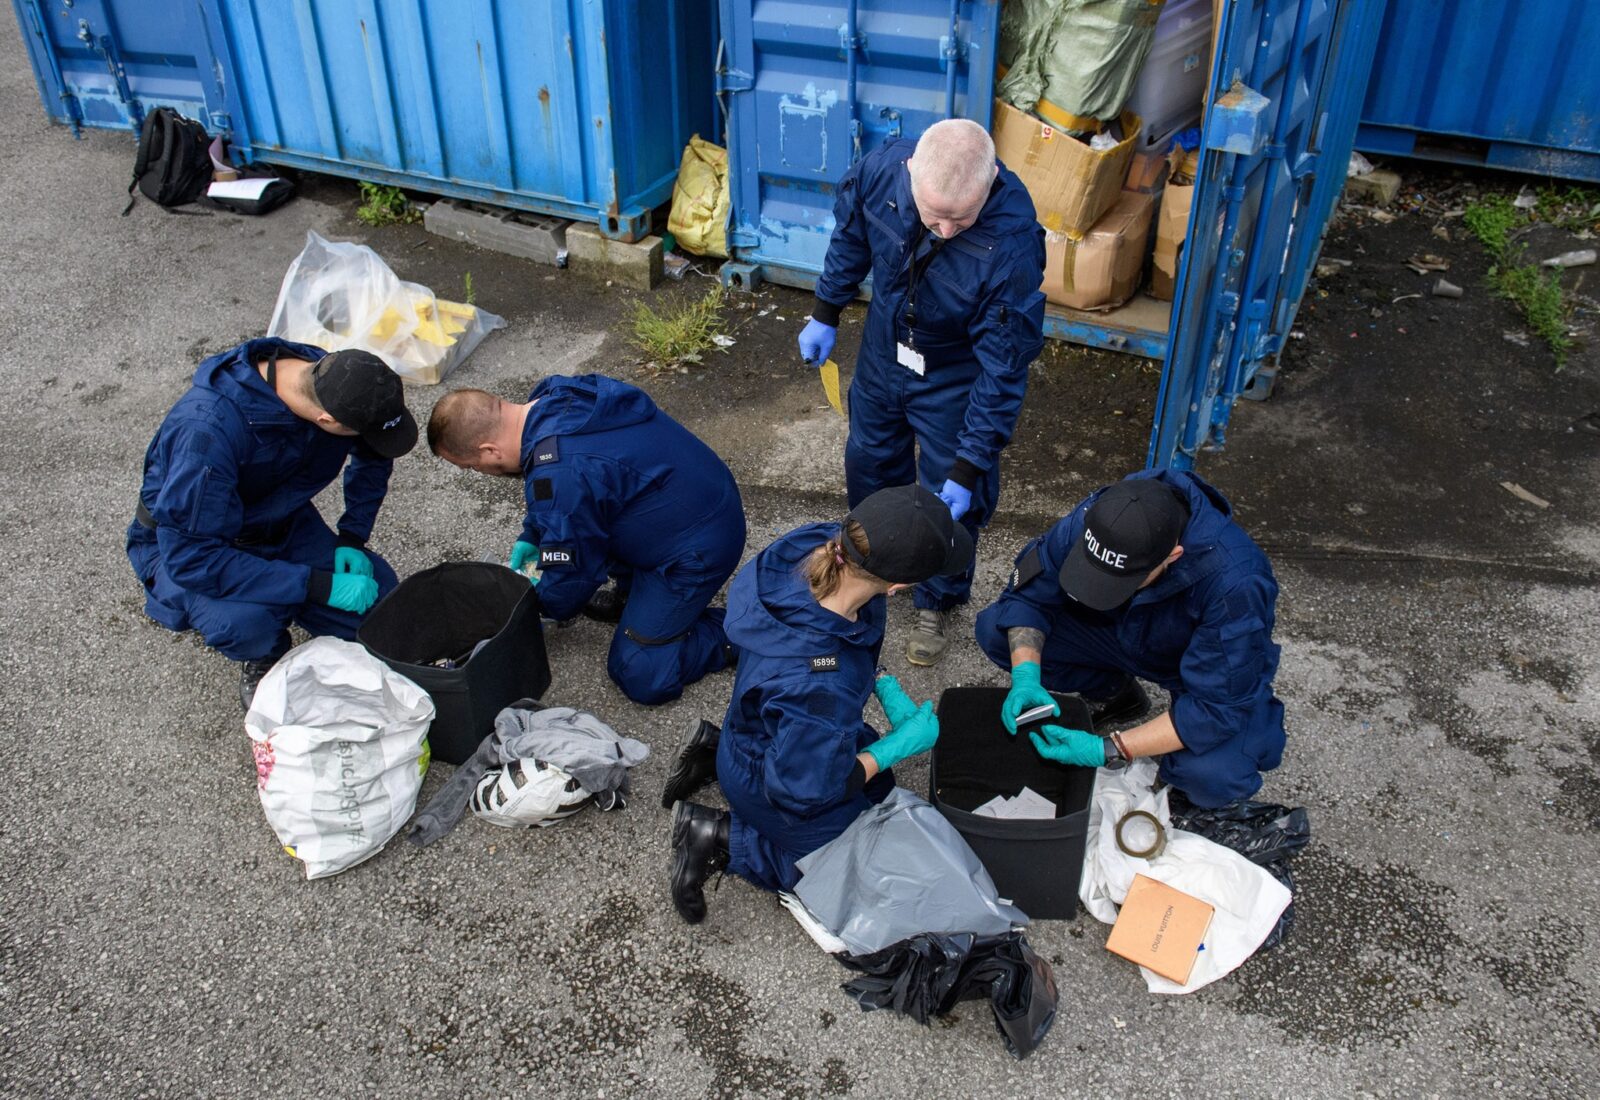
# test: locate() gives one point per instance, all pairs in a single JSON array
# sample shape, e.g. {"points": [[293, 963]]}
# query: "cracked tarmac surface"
{"points": [[1439, 667]]}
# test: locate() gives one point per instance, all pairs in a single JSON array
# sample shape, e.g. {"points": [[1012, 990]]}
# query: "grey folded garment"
{"points": [[573, 740]]}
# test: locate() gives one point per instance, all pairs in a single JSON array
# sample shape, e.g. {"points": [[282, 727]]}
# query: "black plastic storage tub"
{"points": [[1034, 863], [443, 613]]}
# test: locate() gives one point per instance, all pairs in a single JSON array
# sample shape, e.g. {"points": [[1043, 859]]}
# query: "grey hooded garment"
{"points": [[573, 740]]}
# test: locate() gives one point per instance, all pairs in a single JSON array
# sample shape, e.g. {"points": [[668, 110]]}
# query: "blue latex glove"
{"points": [[912, 737], [1065, 746], [897, 705], [816, 342], [1026, 693], [347, 559], [353, 592], [957, 498], [520, 553]]}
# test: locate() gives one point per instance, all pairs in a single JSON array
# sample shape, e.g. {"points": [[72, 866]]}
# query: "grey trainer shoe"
{"points": [[928, 638]]}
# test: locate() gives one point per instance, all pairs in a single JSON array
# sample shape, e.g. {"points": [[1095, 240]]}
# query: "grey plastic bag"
{"points": [[899, 870]]}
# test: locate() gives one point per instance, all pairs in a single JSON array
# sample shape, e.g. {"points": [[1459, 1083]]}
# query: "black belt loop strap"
{"points": [[639, 639], [142, 516]]}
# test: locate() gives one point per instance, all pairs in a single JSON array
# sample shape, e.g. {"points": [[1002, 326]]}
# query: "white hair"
{"points": [[954, 160]]}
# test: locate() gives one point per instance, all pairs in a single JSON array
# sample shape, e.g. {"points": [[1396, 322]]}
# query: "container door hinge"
{"points": [[743, 238], [731, 80]]}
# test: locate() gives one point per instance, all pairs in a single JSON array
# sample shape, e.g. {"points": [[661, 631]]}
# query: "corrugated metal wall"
{"points": [[1510, 85]]}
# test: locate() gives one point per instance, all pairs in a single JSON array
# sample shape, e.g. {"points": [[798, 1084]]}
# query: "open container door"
{"points": [[1285, 101], [811, 88], [107, 63]]}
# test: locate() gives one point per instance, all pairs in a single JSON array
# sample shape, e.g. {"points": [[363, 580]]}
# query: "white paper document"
{"points": [[1026, 805], [239, 189]]}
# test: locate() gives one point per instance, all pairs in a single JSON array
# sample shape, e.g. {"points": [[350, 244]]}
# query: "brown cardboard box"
{"points": [[1160, 928], [1171, 225], [1102, 270], [1149, 171], [1071, 184]]}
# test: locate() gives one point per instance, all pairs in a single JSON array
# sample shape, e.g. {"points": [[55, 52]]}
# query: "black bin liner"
{"points": [[1036, 864], [928, 974], [444, 612]]}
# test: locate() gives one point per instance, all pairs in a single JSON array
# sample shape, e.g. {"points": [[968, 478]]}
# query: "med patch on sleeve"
{"points": [[557, 557]]}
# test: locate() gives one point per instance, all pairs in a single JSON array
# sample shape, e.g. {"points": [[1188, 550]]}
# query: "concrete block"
{"points": [[1377, 188], [592, 253], [534, 237]]}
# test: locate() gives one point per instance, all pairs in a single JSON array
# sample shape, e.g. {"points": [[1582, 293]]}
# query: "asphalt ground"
{"points": [[1439, 670]]}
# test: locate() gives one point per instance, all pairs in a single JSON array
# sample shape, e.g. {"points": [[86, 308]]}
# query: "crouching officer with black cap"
{"points": [[795, 758], [225, 537], [1148, 578]]}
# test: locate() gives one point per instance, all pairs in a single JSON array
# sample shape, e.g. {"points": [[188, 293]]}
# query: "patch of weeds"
{"points": [[1492, 222], [470, 292], [1537, 294], [384, 205], [678, 336], [1569, 207]]}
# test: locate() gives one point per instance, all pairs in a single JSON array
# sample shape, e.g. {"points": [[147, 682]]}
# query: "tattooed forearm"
{"points": [[1025, 637]]}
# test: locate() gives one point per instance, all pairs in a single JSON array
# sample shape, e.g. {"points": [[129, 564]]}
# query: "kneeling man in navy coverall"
{"points": [[957, 259], [1148, 578], [615, 488], [225, 537]]}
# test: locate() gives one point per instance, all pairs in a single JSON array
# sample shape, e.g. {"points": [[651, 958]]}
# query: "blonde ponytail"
{"points": [[827, 565]]}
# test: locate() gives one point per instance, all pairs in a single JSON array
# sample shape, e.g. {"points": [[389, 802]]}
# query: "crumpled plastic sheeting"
{"points": [[1265, 833], [927, 975], [898, 871], [1247, 899]]}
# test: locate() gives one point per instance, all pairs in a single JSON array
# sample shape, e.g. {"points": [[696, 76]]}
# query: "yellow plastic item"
{"points": [[699, 215], [830, 385]]}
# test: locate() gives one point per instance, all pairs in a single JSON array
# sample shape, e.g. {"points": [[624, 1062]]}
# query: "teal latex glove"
{"points": [[1026, 693], [1065, 746], [347, 559], [912, 737], [521, 552], [353, 592], [897, 705]]}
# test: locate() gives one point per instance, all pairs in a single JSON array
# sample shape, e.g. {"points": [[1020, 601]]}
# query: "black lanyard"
{"points": [[908, 311]]}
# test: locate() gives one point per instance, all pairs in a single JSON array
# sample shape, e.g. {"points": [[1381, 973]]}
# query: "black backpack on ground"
{"points": [[173, 165]]}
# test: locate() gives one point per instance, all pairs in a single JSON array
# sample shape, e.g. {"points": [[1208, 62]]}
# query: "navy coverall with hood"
{"points": [[616, 487], [1202, 631], [238, 550], [970, 305], [794, 725]]}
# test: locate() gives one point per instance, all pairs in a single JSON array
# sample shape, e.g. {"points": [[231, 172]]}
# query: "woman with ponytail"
{"points": [[795, 757]]}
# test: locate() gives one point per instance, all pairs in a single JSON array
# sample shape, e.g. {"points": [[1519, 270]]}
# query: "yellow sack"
{"points": [[699, 215]]}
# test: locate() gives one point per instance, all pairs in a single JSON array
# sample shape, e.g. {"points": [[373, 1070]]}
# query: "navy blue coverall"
{"points": [[616, 487], [228, 482], [1203, 632], [794, 725], [970, 305]]}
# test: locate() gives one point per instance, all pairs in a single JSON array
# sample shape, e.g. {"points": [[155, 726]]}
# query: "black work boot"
{"points": [[251, 673], [699, 848], [606, 605], [1129, 704], [696, 764]]}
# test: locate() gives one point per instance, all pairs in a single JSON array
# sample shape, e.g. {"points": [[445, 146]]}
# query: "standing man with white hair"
{"points": [[956, 256]]}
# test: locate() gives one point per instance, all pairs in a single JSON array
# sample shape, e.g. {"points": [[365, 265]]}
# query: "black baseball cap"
{"points": [[910, 536], [360, 391], [1129, 530]]}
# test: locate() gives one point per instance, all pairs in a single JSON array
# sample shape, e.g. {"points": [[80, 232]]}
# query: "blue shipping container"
{"points": [[107, 63], [1485, 82], [810, 87], [579, 108]]}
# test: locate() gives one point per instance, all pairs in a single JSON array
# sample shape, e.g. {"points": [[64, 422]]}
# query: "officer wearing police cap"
{"points": [[1149, 578]]}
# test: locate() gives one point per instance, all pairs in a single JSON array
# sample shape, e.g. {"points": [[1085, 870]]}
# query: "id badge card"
{"points": [[911, 359]]}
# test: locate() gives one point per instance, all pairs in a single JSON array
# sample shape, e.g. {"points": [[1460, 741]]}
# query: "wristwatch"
{"points": [[1115, 760]]}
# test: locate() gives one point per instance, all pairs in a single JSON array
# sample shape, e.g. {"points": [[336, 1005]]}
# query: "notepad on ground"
{"points": [[1160, 928]]}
